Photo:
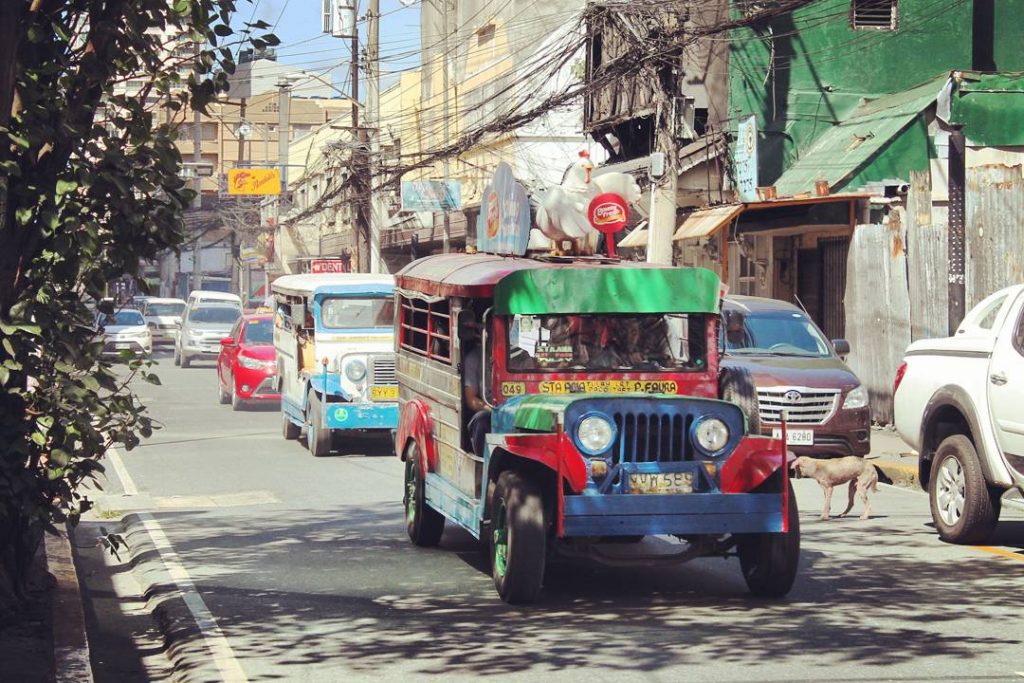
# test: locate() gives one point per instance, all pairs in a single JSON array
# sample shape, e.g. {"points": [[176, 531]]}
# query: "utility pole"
{"points": [[446, 237], [235, 265], [373, 123], [197, 185], [283, 132], [661, 223], [359, 180]]}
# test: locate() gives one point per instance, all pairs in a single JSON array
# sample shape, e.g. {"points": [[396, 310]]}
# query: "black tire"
{"points": [[223, 397], [318, 438], [236, 401], [737, 386], [963, 508], [769, 562], [185, 360], [177, 355], [518, 543], [289, 429], [423, 523]]}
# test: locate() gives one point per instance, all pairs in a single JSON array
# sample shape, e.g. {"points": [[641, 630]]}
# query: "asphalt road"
{"points": [[298, 569]]}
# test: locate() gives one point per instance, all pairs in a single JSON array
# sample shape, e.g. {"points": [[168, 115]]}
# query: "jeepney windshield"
{"points": [[633, 343], [340, 313]]}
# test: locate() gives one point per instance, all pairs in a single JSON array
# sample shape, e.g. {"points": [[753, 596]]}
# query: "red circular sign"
{"points": [[608, 213]]}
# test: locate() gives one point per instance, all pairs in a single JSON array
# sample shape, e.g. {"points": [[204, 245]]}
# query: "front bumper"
{"points": [[202, 350], [255, 385], [694, 513], [362, 415], [848, 432], [163, 336], [115, 347]]}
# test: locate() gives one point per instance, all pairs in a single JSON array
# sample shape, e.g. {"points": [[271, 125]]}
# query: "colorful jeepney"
{"points": [[334, 340], [602, 385]]}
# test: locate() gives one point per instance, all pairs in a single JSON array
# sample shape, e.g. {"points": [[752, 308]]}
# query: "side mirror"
{"points": [[227, 341], [841, 346]]}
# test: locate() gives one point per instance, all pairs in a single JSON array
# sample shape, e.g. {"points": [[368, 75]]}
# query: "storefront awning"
{"points": [[704, 222]]}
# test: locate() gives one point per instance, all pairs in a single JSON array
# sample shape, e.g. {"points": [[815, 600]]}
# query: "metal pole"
{"points": [[283, 132], [235, 266], [360, 218], [446, 238], [956, 236], [373, 120], [197, 204]]}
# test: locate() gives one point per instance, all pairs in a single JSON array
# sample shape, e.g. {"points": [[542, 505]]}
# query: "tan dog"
{"points": [[830, 473]]}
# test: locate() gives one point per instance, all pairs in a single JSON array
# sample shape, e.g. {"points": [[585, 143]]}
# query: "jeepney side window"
{"points": [[425, 329]]}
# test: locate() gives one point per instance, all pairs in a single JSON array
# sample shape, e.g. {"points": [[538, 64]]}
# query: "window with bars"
{"points": [[880, 15], [425, 329]]}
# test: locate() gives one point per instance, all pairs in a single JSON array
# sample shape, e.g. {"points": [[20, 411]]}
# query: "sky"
{"points": [[298, 24]]}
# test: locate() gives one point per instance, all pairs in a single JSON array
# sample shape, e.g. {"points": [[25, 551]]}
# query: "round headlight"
{"points": [[712, 434], [595, 434], [355, 370]]}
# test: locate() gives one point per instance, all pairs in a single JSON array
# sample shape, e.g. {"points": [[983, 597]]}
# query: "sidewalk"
{"points": [[895, 460]]}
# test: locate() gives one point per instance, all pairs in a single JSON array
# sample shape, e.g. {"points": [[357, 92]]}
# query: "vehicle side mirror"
{"points": [[841, 346], [227, 341]]}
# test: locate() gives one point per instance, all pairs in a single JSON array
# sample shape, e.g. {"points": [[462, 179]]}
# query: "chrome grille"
{"points": [[652, 437], [802, 405], [382, 370]]}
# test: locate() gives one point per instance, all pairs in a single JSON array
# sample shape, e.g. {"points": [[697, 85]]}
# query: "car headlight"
{"points": [[711, 434], [857, 398], [595, 434], [250, 363], [355, 370]]}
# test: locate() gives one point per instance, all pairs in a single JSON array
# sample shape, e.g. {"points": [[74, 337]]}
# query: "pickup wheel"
{"points": [[518, 544], [423, 523], [769, 561], [737, 386], [963, 509]]}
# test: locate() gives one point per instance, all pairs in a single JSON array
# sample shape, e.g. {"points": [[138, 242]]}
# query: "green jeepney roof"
{"points": [[607, 289]]}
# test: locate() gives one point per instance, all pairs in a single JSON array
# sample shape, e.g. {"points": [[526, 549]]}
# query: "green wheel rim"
{"points": [[501, 539], [410, 493]]}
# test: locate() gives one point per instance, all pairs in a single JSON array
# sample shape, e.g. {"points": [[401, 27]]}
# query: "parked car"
{"points": [[957, 402], [202, 328], [795, 369], [247, 364], [163, 316], [124, 330]]}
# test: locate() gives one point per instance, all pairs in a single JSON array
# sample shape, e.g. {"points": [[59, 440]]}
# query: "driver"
{"points": [[736, 335]]}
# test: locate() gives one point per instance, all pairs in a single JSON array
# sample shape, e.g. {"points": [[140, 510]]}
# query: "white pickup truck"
{"points": [[959, 402]]}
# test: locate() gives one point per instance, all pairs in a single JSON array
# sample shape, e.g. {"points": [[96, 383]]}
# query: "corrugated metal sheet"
{"points": [[706, 222], [995, 230], [877, 311], [927, 264], [849, 145], [833, 285]]}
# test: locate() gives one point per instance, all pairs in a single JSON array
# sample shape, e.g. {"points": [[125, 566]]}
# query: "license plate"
{"points": [[123, 346], [662, 482], [383, 393], [795, 437]]}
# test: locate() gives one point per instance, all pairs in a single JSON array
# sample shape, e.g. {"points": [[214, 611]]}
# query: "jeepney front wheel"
{"points": [[518, 538], [769, 561], [318, 436], [423, 523]]}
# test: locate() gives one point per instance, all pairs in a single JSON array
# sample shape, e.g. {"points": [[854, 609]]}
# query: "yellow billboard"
{"points": [[254, 181]]}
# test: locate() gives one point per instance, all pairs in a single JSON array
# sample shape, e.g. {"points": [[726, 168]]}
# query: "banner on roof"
{"points": [[503, 226]]}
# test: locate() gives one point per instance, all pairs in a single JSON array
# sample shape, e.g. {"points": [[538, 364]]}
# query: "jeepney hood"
{"points": [[333, 346], [541, 413]]}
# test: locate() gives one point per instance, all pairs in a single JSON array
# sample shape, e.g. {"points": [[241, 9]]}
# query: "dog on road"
{"points": [[836, 472]]}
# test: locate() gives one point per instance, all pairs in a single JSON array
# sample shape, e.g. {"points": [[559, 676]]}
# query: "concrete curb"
{"points": [[70, 639], [183, 638]]}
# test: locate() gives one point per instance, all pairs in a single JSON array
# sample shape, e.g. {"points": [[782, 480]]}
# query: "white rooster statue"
{"points": [[562, 214]]}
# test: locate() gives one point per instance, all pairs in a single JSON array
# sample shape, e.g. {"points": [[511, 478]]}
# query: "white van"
{"points": [[197, 295]]}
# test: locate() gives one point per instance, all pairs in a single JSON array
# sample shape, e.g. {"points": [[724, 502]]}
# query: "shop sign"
{"points": [[254, 181], [503, 226], [431, 195]]}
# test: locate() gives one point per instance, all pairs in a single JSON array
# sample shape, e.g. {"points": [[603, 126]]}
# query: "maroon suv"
{"points": [[796, 369]]}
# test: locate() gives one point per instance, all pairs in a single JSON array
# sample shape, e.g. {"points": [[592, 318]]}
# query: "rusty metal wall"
{"points": [[995, 230], [927, 262], [834, 251], [877, 310]]}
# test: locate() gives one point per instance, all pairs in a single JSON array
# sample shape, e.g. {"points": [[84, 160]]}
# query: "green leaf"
{"points": [[65, 186]]}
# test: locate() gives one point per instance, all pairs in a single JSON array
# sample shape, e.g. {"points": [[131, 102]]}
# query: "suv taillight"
{"points": [[900, 371]]}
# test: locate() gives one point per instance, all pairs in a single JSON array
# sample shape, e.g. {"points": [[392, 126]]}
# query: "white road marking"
{"points": [[216, 643], [127, 483]]}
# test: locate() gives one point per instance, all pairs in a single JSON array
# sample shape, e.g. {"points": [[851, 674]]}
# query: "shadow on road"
{"points": [[361, 596]]}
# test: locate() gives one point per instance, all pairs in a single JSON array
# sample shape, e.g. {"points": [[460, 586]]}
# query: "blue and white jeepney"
{"points": [[334, 336]]}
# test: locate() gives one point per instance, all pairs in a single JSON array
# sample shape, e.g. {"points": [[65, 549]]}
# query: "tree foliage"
{"points": [[89, 187]]}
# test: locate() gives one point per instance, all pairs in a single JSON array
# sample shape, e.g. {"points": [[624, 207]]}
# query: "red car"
{"points": [[247, 366]]}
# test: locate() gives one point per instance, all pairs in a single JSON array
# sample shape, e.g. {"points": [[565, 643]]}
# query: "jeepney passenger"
{"points": [[472, 373]]}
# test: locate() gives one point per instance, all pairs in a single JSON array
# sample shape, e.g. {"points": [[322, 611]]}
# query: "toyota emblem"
{"points": [[792, 396]]}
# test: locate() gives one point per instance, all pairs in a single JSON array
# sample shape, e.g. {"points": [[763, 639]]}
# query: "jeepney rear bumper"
{"points": [[682, 514], [362, 415]]}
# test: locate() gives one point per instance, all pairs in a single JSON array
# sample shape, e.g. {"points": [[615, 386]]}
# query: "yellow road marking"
{"points": [[1000, 551]]}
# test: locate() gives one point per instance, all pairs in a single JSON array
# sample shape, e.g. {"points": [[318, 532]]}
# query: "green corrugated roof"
{"points": [[844, 150], [990, 107], [607, 289]]}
